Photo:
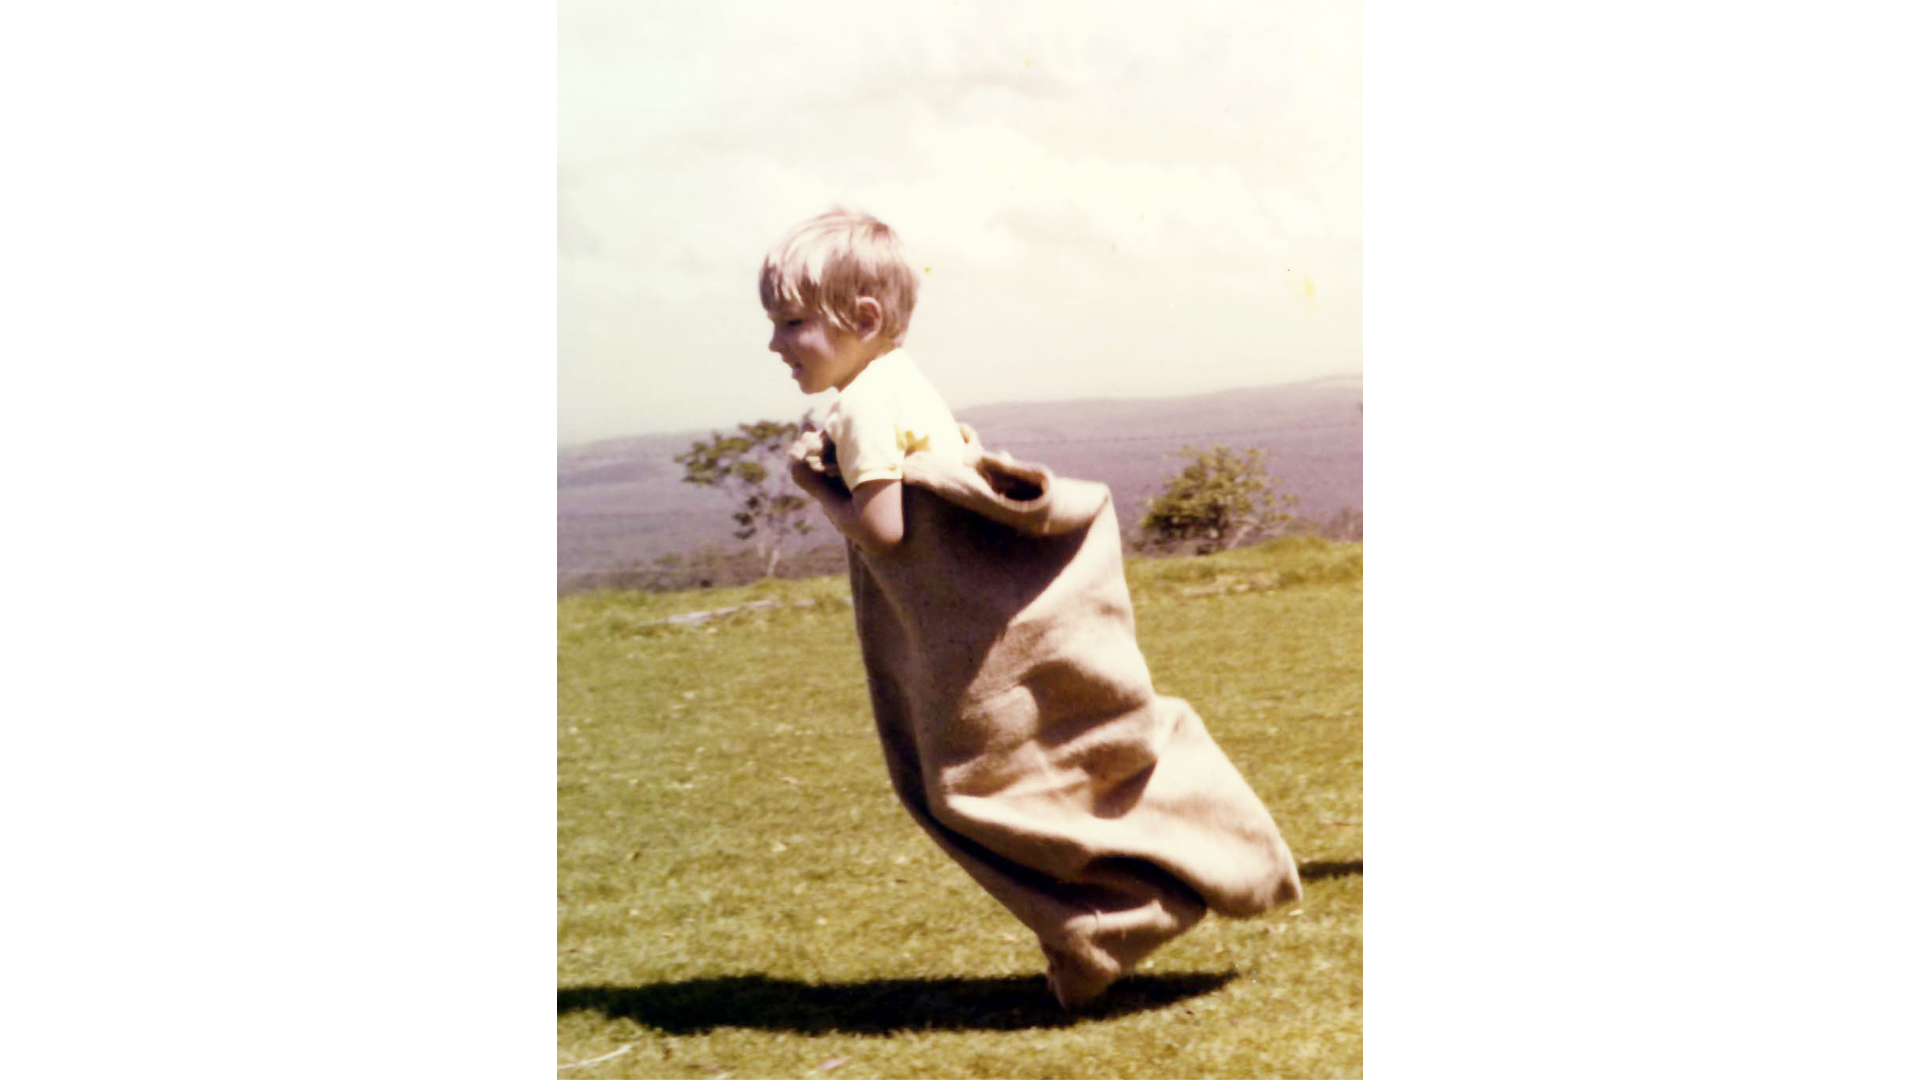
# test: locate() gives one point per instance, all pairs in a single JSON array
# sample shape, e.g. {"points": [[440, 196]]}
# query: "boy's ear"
{"points": [[868, 317]]}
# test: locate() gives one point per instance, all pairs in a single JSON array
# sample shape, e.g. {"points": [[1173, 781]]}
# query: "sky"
{"points": [[1113, 200]]}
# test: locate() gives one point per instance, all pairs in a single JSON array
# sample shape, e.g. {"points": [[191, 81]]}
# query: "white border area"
{"points": [[1640, 258]]}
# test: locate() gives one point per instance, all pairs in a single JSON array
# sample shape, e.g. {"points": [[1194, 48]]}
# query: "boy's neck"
{"points": [[884, 349]]}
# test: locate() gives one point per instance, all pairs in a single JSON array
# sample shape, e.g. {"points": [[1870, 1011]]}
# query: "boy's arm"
{"points": [[871, 516]]}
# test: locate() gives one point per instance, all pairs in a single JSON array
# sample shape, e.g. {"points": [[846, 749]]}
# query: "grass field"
{"points": [[741, 896]]}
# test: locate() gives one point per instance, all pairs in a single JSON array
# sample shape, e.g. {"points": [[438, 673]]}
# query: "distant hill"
{"points": [[622, 502]]}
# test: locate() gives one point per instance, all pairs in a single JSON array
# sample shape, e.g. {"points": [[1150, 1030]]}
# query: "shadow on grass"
{"points": [[1314, 871], [874, 1007]]}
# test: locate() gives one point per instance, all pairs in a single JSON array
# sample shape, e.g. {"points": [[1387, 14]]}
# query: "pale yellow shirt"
{"points": [[888, 411]]}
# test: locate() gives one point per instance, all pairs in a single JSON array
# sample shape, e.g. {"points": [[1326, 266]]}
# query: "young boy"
{"points": [[840, 295], [1016, 715]]}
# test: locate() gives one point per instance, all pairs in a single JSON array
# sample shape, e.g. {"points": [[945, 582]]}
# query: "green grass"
{"points": [[741, 896]]}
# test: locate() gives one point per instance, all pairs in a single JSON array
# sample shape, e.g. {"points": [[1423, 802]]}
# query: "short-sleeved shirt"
{"points": [[888, 411]]}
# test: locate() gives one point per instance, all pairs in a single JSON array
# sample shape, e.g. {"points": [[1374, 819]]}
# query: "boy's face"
{"points": [[820, 354]]}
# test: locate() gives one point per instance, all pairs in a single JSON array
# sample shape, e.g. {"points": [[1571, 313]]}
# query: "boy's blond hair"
{"points": [[826, 263]]}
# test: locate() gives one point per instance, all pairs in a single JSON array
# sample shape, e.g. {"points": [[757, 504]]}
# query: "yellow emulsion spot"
{"points": [[1302, 286], [911, 442]]}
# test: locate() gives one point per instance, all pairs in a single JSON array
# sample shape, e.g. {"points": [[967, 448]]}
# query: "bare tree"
{"points": [[751, 467]]}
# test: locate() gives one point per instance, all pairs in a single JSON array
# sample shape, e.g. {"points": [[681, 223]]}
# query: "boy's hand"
{"points": [[813, 448], [871, 517], [810, 444], [810, 462], [806, 478]]}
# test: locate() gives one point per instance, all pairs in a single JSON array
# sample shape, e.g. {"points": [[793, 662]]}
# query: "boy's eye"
{"points": [[794, 324]]}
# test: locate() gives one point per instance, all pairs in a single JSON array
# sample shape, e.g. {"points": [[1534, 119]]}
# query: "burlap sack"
{"points": [[1022, 731]]}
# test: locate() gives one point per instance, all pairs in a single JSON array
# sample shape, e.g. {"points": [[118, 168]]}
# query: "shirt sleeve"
{"points": [[866, 445]]}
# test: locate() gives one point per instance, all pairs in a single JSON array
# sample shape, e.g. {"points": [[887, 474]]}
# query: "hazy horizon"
{"points": [[818, 403], [1106, 202]]}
